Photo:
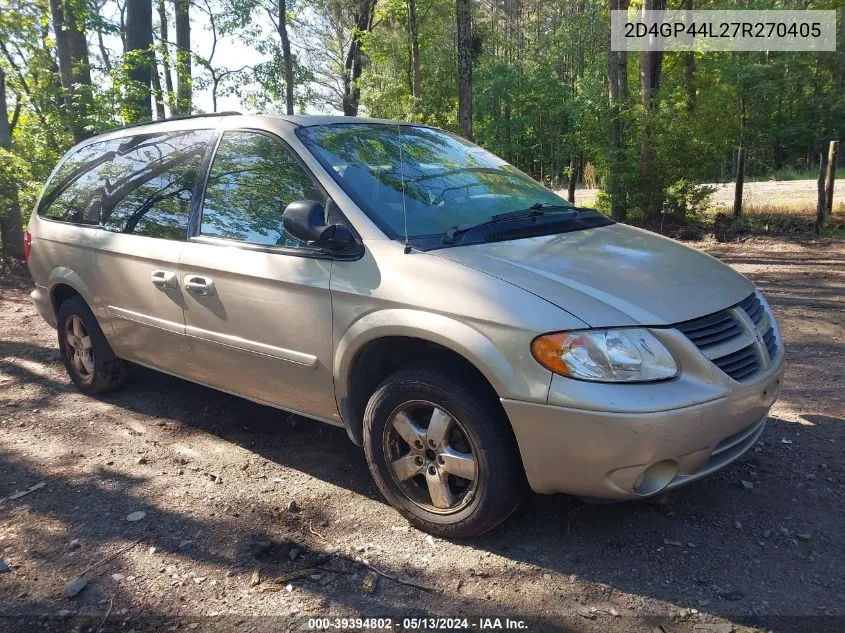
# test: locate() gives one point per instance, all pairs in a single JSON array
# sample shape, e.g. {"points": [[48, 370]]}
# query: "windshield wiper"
{"points": [[535, 210], [538, 208]]}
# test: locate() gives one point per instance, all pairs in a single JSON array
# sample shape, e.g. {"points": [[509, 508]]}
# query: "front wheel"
{"points": [[442, 453]]}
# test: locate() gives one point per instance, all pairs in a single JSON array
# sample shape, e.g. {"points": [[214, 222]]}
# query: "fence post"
{"points": [[831, 176], [740, 181], [821, 204]]}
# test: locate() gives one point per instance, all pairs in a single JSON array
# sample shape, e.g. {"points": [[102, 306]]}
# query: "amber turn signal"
{"points": [[547, 351]]}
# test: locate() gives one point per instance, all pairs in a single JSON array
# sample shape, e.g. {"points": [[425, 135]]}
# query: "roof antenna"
{"points": [[402, 180]]}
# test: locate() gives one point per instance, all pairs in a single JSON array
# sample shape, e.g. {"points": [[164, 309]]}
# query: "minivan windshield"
{"points": [[448, 183]]}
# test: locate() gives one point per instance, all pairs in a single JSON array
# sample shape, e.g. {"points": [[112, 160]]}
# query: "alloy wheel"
{"points": [[79, 349], [431, 457]]}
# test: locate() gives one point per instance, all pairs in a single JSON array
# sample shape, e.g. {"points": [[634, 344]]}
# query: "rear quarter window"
{"points": [[75, 191], [149, 185]]}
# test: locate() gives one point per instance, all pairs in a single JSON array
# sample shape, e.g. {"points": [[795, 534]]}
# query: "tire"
{"points": [[94, 368], [476, 426]]}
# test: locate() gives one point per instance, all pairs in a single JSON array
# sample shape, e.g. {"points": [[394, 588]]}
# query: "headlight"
{"points": [[624, 355]]}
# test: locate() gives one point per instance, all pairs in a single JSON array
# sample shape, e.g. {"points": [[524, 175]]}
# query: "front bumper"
{"points": [[617, 455]]}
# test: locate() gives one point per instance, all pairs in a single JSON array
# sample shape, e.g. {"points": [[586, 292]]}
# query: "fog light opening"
{"points": [[656, 477]]}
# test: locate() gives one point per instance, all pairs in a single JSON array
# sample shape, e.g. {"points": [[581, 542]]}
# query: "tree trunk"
{"points": [[122, 25], [464, 22], [140, 58], [416, 80], [215, 84], [689, 68], [740, 181], [651, 63], [165, 56], [510, 154], [282, 28], [11, 231], [353, 63], [184, 103], [623, 67], [74, 68], [618, 208], [840, 77], [55, 91], [158, 95], [102, 45]]}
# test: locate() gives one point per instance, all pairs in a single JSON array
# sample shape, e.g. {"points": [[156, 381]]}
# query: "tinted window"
{"points": [[252, 179], [150, 183], [75, 191], [437, 179]]}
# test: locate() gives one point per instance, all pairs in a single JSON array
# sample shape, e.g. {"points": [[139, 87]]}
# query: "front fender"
{"points": [[457, 336]]}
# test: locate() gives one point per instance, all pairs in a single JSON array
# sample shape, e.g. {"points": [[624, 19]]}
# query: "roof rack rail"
{"points": [[183, 117]]}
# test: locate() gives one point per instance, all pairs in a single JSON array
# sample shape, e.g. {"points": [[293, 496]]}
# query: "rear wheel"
{"points": [[442, 453], [85, 352]]}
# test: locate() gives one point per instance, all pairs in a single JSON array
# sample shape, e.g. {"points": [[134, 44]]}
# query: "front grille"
{"points": [[711, 330], [740, 364], [771, 342], [729, 341], [753, 308]]}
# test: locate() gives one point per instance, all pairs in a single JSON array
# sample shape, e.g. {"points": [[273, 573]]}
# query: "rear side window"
{"points": [[150, 183], [252, 179], [75, 191]]}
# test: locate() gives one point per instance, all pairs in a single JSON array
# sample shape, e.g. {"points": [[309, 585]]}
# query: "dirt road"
{"points": [[771, 196], [250, 512]]}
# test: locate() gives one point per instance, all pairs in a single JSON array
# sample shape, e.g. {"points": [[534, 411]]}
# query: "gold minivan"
{"points": [[475, 332]]}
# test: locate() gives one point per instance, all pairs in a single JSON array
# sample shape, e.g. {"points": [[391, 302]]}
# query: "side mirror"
{"points": [[306, 220]]}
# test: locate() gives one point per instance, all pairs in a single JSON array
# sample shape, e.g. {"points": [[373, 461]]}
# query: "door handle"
{"points": [[197, 285], [163, 279]]}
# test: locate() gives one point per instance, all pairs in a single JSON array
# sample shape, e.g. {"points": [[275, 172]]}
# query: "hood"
{"points": [[611, 276]]}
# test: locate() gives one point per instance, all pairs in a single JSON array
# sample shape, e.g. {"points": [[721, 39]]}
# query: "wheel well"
{"points": [[382, 357], [61, 293]]}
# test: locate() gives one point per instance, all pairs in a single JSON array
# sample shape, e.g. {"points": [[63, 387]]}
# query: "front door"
{"points": [[258, 311]]}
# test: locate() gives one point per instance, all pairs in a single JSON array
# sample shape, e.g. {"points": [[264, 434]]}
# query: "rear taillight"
{"points": [[27, 245]]}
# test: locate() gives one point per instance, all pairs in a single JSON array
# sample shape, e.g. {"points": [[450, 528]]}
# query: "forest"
{"points": [[533, 81]]}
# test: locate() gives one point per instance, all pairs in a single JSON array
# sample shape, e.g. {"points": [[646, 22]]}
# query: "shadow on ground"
{"points": [[686, 550]]}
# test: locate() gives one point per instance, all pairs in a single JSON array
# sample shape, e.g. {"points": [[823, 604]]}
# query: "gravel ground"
{"points": [[246, 511]]}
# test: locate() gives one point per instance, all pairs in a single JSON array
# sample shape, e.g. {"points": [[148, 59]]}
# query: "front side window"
{"points": [[438, 180], [150, 183], [75, 191], [252, 179]]}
